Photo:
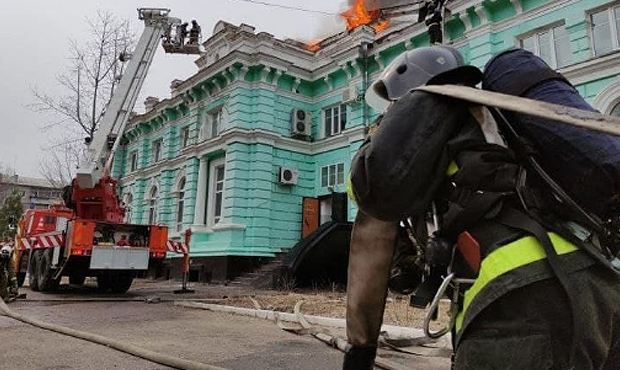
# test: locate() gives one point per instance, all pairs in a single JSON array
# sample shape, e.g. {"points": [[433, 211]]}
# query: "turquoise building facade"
{"points": [[265, 123]]}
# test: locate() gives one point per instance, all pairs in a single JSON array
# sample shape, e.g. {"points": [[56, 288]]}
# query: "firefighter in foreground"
{"points": [[542, 293]]}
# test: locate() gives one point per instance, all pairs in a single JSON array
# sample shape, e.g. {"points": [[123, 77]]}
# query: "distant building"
{"points": [[36, 193], [268, 126]]}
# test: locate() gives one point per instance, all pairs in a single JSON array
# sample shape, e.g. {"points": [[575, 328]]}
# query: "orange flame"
{"points": [[313, 46], [358, 16]]}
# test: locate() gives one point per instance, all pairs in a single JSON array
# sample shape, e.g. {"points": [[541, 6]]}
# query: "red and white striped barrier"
{"points": [[177, 247], [42, 241]]}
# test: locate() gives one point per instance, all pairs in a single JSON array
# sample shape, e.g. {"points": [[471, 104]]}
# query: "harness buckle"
{"points": [[450, 279]]}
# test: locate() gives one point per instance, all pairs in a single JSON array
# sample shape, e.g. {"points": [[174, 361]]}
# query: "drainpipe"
{"points": [[364, 51]]}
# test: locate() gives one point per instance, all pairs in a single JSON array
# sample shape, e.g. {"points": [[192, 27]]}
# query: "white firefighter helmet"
{"points": [[427, 65]]}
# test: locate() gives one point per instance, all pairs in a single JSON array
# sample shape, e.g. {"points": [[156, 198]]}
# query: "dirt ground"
{"points": [[333, 304]]}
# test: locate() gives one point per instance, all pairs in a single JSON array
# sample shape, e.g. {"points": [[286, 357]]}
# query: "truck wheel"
{"points": [[121, 281], [45, 274], [33, 273], [23, 268], [76, 279], [104, 282]]}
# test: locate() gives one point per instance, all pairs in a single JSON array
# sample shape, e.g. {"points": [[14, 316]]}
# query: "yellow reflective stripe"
{"points": [[350, 191], [507, 258], [452, 169]]}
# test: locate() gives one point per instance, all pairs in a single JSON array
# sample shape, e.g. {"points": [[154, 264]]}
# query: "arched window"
{"points": [[615, 111], [153, 203], [128, 207], [180, 203]]}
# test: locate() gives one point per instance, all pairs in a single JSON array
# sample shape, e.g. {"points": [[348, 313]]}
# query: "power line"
{"points": [[288, 7]]}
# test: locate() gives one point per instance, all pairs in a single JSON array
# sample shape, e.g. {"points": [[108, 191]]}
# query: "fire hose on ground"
{"points": [[167, 360]]}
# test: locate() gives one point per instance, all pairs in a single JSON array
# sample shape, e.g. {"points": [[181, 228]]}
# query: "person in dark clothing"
{"points": [[451, 157], [194, 33]]}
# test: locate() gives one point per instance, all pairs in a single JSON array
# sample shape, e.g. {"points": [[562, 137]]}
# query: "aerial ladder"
{"points": [[88, 236]]}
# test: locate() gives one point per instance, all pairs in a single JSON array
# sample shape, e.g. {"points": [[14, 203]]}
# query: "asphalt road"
{"points": [[231, 342]]}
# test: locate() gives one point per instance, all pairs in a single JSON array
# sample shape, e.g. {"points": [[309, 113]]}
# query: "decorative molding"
{"points": [[238, 135], [464, 17], [482, 14], [607, 99], [517, 6], [593, 69]]}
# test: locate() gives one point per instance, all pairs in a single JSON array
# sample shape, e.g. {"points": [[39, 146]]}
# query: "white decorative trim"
{"points": [[593, 69], [482, 14], [607, 99], [249, 137], [464, 17], [182, 173], [153, 183], [517, 5], [225, 227]]}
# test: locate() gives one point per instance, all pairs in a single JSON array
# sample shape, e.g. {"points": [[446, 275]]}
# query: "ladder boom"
{"points": [[107, 138]]}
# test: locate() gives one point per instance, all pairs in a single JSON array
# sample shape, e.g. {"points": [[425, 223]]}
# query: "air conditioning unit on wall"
{"points": [[301, 123], [351, 95], [288, 176]]}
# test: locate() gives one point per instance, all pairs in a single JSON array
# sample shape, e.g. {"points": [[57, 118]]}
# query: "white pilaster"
{"points": [[201, 193]]}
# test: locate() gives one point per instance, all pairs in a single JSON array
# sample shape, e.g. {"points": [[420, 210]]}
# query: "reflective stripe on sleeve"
{"points": [[507, 258]]}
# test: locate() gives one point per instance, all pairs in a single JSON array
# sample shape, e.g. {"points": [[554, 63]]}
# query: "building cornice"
{"points": [[593, 69], [238, 135]]}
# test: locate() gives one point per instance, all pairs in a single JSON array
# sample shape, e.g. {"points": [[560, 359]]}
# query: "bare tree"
{"points": [[89, 82]]}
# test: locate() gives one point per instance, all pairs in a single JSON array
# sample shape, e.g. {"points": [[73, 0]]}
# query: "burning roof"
{"points": [[358, 15]]}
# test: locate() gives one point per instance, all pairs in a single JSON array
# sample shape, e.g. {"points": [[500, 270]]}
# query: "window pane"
{"points": [[601, 32], [562, 46], [617, 19], [324, 176], [180, 211], [218, 204], [220, 173], [340, 173], [332, 175], [335, 120], [328, 122], [343, 117], [529, 44], [544, 45]]}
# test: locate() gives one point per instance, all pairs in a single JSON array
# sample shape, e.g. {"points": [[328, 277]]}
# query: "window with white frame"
{"points": [[133, 161], [153, 205], [180, 203], [185, 137], [128, 208], [551, 44], [334, 120], [215, 122], [332, 175], [217, 176], [605, 30], [157, 150]]}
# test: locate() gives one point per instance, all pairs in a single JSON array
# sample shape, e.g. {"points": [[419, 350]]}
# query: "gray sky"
{"points": [[35, 35]]}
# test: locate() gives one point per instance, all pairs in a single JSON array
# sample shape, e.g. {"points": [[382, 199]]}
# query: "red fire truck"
{"points": [[87, 236]]}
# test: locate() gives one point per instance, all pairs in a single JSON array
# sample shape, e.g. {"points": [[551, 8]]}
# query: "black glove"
{"points": [[359, 358]]}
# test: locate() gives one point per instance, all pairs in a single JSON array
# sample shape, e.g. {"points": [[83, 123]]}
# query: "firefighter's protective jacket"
{"points": [[437, 149]]}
